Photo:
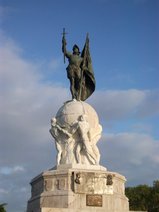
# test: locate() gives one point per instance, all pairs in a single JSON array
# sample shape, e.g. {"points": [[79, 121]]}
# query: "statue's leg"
{"points": [[78, 85], [90, 154], [77, 153], [70, 76], [91, 158], [96, 152], [72, 87], [59, 153]]}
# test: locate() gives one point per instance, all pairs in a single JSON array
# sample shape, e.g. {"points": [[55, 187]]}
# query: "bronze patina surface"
{"points": [[79, 70], [94, 200]]}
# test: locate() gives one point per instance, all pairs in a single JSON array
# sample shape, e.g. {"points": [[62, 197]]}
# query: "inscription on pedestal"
{"points": [[94, 200]]}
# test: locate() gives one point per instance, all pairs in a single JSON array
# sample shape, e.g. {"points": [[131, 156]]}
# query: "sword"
{"points": [[64, 43]]}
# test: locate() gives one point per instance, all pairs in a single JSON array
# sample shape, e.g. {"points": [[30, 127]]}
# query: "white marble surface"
{"points": [[76, 131], [80, 167], [66, 190]]}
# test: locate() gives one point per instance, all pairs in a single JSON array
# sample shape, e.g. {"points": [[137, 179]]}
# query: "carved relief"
{"points": [[61, 184], [109, 179], [77, 179], [91, 183], [76, 136], [119, 187], [48, 185], [56, 184]]}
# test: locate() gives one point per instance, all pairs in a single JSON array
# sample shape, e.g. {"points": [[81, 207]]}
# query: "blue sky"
{"points": [[125, 50], [123, 36]]}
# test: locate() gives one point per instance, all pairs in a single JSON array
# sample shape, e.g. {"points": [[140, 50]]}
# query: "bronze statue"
{"points": [[79, 70]]}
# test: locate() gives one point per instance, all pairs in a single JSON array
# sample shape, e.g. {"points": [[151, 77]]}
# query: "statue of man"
{"points": [[83, 129], [74, 70], [62, 139], [79, 71]]}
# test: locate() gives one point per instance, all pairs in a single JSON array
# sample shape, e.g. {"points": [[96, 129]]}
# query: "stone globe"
{"points": [[71, 111]]}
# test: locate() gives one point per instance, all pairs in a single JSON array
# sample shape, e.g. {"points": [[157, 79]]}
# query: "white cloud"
{"points": [[3, 191], [133, 154], [27, 105], [55, 64], [11, 170], [119, 104], [142, 127]]}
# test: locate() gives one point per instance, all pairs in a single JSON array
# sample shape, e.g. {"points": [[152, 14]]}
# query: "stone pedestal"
{"points": [[78, 183], [78, 188]]}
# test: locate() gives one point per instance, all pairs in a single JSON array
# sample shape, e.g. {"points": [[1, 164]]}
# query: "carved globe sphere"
{"points": [[71, 112], [77, 130]]}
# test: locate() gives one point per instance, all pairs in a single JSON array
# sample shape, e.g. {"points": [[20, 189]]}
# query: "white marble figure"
{"points": [[76, 142], [95, 135], [85, 143], [62, 141]]}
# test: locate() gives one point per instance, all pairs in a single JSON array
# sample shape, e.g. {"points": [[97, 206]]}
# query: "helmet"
{"points": [[76, 47]]}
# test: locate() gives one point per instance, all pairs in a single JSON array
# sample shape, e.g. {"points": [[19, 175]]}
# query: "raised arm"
{"points": [[64, 50], [64, 45]]}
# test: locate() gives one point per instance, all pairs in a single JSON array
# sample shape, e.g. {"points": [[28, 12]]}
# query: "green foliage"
{"points": [[2, 209], [155, 197], [144, 197]]}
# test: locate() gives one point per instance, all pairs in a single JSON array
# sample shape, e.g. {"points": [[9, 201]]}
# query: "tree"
{"points": [[144, 197], [2, 209], [155, 197], [138, 197]]}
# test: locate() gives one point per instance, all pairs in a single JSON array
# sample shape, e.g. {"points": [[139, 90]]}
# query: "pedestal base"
{"points": [[78, 189]]}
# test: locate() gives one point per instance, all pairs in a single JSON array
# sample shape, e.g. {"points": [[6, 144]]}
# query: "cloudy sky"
{"points": [[33, 85]]}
